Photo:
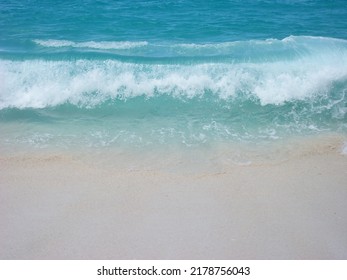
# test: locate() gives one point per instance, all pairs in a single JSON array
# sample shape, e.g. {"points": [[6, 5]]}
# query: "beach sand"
{"points": [[58, 205]]}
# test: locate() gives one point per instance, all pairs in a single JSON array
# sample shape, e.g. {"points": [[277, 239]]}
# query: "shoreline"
{"points": [[59, 206]]}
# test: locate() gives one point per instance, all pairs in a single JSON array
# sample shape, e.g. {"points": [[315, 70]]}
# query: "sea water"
{"points": [[156, 74]]}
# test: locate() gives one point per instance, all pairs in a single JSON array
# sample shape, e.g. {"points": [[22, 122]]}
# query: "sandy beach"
{"points": [[173, 130], [63, 206]]}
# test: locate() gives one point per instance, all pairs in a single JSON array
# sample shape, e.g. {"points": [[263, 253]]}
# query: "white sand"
{"points": [[55, 206]]}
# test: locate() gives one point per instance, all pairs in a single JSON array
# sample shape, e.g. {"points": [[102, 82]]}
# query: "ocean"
{"points": [[180, 75]]}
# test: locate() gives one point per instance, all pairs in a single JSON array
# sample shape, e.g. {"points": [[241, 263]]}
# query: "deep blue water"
{"points": [[186, 21], [103, 73]]}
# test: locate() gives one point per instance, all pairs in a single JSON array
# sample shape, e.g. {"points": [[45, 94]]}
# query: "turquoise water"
{"points": [[189, 73]]}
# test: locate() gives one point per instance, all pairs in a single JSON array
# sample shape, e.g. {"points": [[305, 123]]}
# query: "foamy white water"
{"points": [[103, 45]]}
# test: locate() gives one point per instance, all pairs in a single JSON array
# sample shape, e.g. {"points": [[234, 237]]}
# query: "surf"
{"points": [[159, 93], [271, 71]]}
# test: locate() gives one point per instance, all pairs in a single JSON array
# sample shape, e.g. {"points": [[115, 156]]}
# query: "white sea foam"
{"points": [[42, 83], [291, 43], [38, 83], [289, 39], [91, 44]]}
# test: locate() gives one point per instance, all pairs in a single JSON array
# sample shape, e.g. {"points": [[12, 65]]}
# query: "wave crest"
{"points": [[38, 83], [103, 45], [43, 83]]}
